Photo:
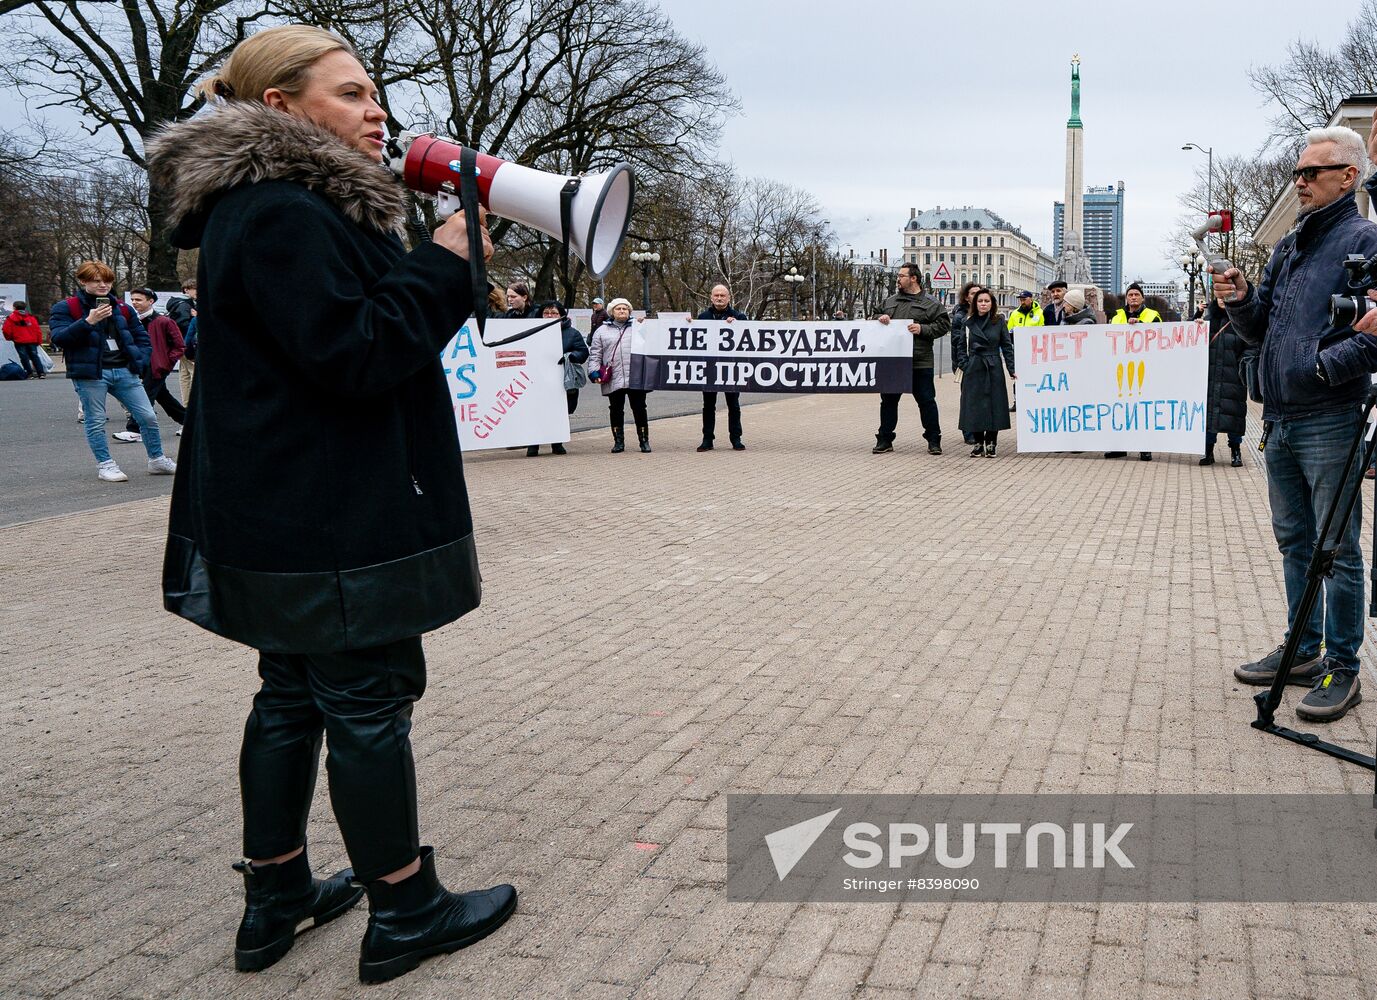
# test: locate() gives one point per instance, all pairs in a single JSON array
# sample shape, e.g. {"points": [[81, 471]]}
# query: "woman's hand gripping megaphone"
{"points": [[453, 234]]}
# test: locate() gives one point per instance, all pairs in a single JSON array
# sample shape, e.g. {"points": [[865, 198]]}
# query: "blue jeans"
{"points": [[126, 387], [1305, 463], [28, 359]]}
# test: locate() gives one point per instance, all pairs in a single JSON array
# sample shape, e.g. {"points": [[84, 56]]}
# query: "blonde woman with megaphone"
{"points": [[320, 515]]}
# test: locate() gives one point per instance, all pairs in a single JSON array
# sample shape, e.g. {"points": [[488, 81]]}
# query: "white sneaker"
{"points": [[109, 472], [161, 466], [128, 437]]}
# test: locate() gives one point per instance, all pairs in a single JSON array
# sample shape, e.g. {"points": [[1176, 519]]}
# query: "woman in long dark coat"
{"points": [[984, 396], [1226, 401], [343, 533], [959, 312]]}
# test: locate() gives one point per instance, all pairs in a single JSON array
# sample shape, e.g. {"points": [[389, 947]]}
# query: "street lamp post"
{"points": [[1194, 266], [825, 222], [794, 279], [645, 258], [1209, 182]]}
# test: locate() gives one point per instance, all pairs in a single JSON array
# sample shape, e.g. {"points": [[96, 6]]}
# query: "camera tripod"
{"points": [[1321, 567]]}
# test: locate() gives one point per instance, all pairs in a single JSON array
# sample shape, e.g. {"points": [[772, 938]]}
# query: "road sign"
{"points": [[942, 277]]}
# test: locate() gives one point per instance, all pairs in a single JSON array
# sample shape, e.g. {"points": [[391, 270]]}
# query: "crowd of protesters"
{"points": [[139, 344]]}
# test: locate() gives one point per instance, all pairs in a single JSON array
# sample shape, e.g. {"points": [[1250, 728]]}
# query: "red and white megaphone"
{"points": [[599, 208]]}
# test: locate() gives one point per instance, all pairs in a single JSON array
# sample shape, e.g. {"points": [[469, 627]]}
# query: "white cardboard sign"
{"points": [[511, 395], [1116, 387]]}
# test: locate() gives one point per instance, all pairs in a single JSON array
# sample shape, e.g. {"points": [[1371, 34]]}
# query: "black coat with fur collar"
{"points": [[319, 503]]}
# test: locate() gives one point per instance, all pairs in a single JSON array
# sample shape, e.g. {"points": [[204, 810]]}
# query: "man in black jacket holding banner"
{"points": [[927, 321], [721, 311]]}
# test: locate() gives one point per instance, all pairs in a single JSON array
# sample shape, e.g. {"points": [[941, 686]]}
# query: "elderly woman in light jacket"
{"points": [[609, 363]]}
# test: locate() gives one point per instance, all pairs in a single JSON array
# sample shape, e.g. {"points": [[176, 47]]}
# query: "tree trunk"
{"points": [[162, 255], [544, 289]]}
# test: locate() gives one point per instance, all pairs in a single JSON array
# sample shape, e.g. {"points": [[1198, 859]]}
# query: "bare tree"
{"points": [[127, 69], [568, 86], [1313, 80], [746, 234], [573, 87], [1247, 186]]}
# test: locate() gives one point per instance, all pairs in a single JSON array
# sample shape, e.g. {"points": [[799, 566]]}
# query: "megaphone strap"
{"points": [[566, 215], [521, 335], [478, 271]]}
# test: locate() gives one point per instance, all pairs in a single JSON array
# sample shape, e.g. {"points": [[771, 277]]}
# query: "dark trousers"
{"points": [[28, 359], [361, 701], [925, 394], [1234, 440], [158, 393], [572, 398], [616, 406], [990, 438], [733, 415]]}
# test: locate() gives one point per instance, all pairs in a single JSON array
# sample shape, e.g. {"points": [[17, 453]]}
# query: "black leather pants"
{"points": [[360, 701]]}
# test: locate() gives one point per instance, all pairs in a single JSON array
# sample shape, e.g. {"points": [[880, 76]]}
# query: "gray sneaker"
{"points": [[1332, 696], [1309, 668]]}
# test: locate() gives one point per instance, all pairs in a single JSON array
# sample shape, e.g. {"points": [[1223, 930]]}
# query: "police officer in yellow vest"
{"points": [[1134, 312], [1028, 313]]}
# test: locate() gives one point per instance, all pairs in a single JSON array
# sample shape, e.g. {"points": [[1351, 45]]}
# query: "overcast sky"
{"points": [[879, 107]]}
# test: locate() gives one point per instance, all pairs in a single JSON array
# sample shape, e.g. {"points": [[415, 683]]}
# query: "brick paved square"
{"points": [[802, 616]]}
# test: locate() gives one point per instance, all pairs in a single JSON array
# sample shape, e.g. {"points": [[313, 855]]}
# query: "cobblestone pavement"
{"points": [[55, 474], [658, 630]]}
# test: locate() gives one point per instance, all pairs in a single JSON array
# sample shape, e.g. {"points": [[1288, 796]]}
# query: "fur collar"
{"points": [[244, 142]]}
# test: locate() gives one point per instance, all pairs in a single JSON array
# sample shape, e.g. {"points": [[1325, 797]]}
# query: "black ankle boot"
{"points": [[279, 897], [643, 436], [533, 451], [418, 917], [557, 449], [618, 440], [1209, 458], [1235, 458]]}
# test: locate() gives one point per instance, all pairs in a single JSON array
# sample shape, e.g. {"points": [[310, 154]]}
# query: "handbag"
{"points": [[609, 361], [956, 373], [575, 375]]}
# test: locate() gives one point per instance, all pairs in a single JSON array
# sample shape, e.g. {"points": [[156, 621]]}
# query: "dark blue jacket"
{"points": [[1288, 314], [574, 344], [711, 313], [82, 345]]}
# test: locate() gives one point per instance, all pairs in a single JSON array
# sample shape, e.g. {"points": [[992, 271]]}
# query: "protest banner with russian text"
{"points": [[1116, 387], [772, 356], [507, 396]]}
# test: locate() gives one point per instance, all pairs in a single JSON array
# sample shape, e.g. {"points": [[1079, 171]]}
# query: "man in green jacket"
{"points": [[927, 321]]}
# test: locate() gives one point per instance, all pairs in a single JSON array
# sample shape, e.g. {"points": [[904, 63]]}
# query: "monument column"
{"points": [[1073, 266]]}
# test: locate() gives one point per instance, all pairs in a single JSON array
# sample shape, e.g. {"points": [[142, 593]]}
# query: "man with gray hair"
{"points": [[1314, 379], [720, 310]]}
